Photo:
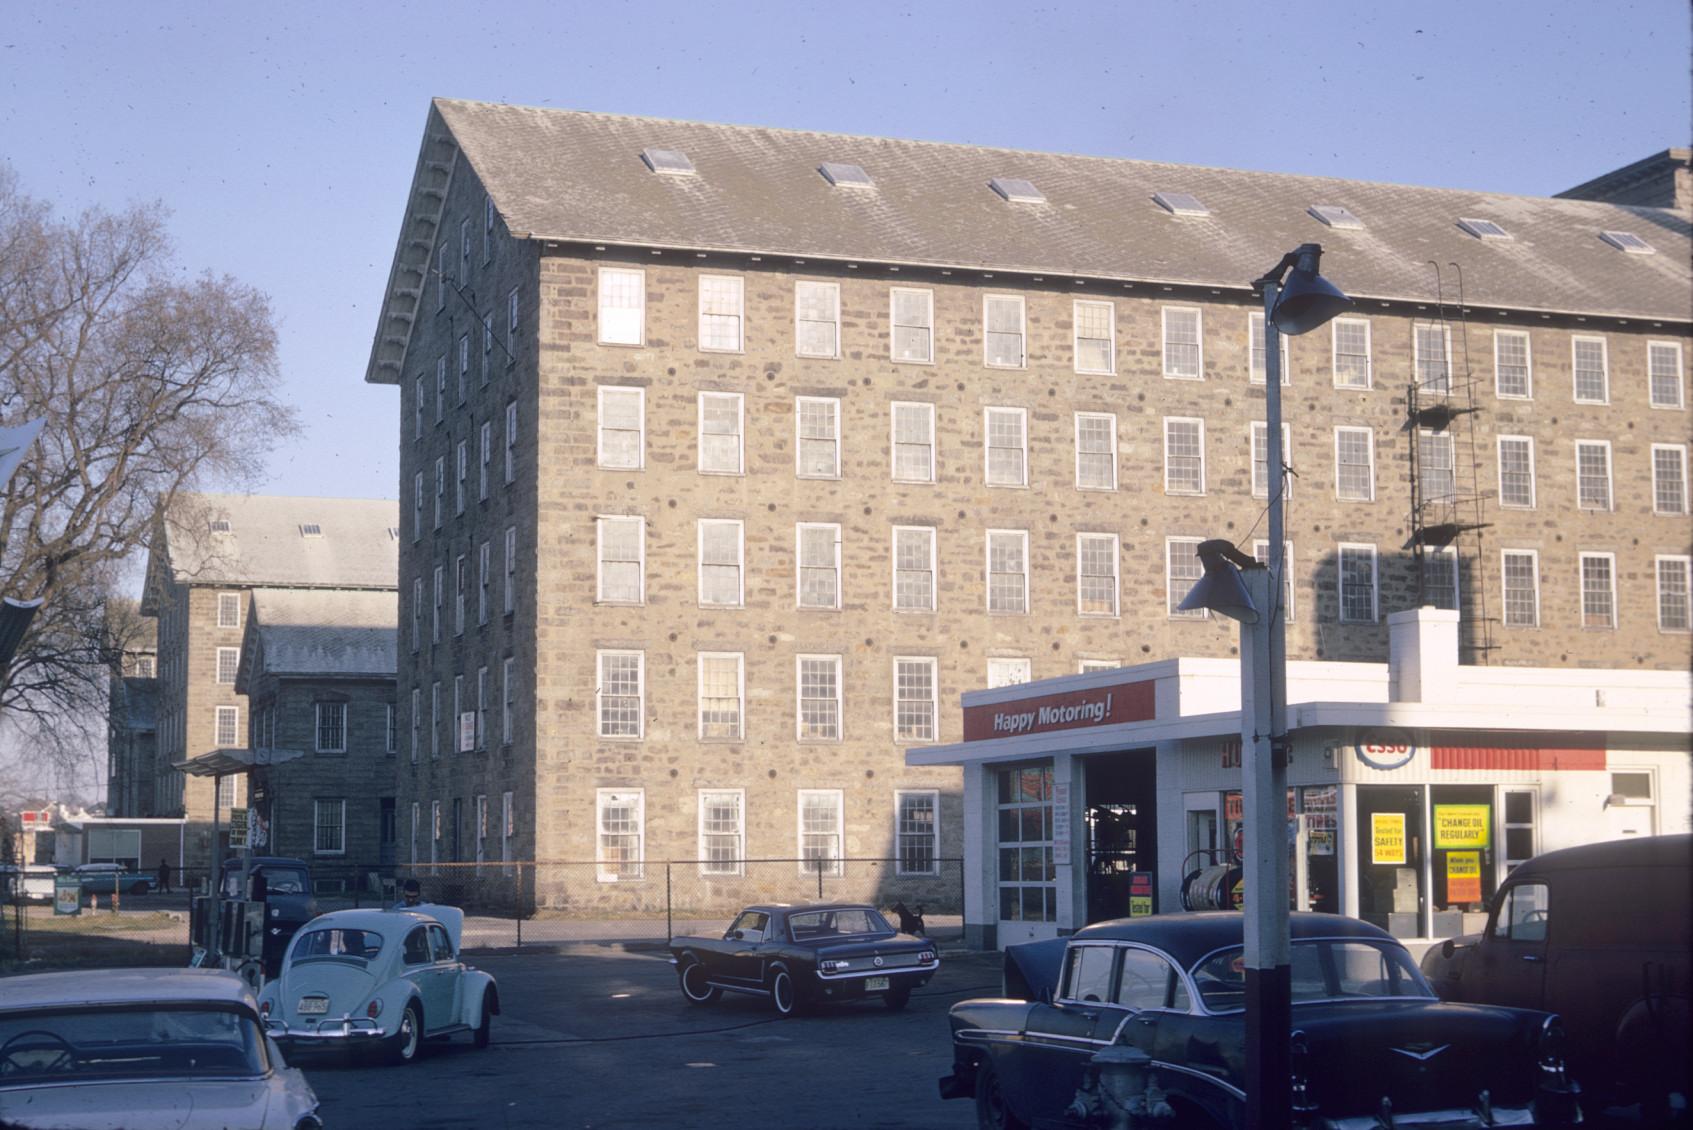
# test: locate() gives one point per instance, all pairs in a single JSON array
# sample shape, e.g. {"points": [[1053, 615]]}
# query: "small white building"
{"points": [[1422, 782]]}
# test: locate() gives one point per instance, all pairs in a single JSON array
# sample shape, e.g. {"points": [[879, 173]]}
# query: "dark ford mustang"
{"points": [[1147, 1019], [802, 955]]}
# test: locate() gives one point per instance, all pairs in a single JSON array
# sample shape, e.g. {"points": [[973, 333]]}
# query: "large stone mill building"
{"points": [[731, 456]]}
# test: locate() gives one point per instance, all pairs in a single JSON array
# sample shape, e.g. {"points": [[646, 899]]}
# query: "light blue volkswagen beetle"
{"points": [[383, 979]]}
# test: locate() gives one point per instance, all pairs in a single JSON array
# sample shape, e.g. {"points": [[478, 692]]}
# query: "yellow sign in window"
{"points": [[1387, 837], [1463, 876], [1463, 826]]}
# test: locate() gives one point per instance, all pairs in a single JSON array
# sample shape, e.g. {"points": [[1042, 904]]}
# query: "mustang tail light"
{"points": [[927, 957], [833, 966], [373, 1009]]}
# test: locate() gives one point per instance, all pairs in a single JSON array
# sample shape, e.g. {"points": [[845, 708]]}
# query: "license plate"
{"points": [[875, 984], [317, 1006]]}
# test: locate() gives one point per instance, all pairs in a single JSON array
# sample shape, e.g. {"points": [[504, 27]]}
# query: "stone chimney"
{"points": [[1422, 655]]}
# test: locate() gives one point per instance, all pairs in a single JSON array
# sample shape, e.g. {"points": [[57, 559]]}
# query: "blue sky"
{"points": [[284, 137]]}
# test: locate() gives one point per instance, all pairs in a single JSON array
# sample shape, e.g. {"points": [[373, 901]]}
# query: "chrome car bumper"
{"points": [[902, 971], [329, 1030], [1433, 1120]]}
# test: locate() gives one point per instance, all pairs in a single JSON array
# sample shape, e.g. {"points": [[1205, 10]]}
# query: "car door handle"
{"points": [[1146, 1020], [1090, 1016], [1530, 957]]}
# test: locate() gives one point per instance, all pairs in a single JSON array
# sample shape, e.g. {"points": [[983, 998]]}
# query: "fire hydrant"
{"points": [[1118, 1091]]}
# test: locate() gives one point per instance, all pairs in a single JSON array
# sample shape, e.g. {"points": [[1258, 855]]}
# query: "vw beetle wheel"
{"points": [[991, 1111], [485, 1028], [783, 994], [695, 987], [407, 1041]]}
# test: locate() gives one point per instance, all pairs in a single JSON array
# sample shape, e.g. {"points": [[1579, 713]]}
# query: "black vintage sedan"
{"points": [[805, 954], [1148, 1016]]}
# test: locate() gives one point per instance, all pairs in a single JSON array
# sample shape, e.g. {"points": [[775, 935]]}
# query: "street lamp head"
{"points": [[1220, 588], [1307, 299]]}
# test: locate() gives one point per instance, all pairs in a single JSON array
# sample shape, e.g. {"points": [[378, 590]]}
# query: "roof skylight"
{"points": [[1017, 190], [1180, 203], [1336, 216], [671, 162], [1483, 229], [845, 176], [311, 530], [1627, 241]]}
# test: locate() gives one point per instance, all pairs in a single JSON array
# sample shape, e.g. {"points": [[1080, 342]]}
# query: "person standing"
{"points": [[164, 876]]}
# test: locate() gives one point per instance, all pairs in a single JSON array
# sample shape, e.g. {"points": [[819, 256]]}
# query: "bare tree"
{"points": [[153, 383]]}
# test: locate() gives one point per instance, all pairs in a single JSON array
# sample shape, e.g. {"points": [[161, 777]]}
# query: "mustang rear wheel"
{"points": [[407, 1040], [695, 987], [991, 1111], [897, 999], [783, 995]]}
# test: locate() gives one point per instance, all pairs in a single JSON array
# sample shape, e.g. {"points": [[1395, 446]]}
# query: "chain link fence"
{"points": [[506, 904]]}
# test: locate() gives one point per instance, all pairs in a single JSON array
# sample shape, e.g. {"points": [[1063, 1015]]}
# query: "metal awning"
{"points": [[223, 762]]}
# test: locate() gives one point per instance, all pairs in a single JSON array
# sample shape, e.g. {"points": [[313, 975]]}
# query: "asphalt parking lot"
{"points": [[600, 1036]]}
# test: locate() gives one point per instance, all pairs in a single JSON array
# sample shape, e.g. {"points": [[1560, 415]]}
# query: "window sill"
{"points": [[911, 361], [1184, 377]]}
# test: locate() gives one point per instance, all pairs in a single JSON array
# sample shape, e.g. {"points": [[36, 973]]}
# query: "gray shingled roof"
{"points": [[324, 631], [359, 546], [571, 176]]}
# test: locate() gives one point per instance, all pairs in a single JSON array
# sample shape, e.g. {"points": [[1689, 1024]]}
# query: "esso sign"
{"points": [[1378, 755]]}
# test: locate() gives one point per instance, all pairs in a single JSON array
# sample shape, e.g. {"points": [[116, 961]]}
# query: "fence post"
{"points": [[517, 900], [819, 880], [669, 924]]}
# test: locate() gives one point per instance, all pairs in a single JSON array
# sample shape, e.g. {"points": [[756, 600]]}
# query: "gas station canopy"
{"points": [[223, 762]]}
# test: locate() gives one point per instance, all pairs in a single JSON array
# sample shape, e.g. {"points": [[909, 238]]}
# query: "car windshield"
{"points": [[340, 943], [807, 924], [81, 1045], [278, 881], [1324, 969]]}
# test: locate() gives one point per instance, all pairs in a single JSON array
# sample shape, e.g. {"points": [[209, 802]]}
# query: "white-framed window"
{"points": [[417, 507], [508, 828], [229, 610], [329, 826], [1437, 471], [622, 542], [461, 582], [1096, 451], [1432, 347], [916, 698], [820, 823], [1354, 464], [817, 437], [464, 367], [511, 328], [722, 692], [1593, 474], [228, 664], [1440, 577], [817, 552], [721, 554], [508, 697], [1183, 354], [1590, 367], [1002, 331], [455, 734], [1669, 478], [464, 249], [226, 731], [912, 437], [917, 831], [1257, 372], [1260, 443], [440, 488], [1521, 587], [440, 388], [1008, 570], [488, 215], [1598, 590], [461, 454], [487, 348], [440, 599], [1516, 472], [1351, 353], [1184, 455], [479, 818], [416, 722], [1358, 603], [331, 727], [1675, 592], [484, 566], [1007, 449], [1513, 371], [509, 604], [817, 319], [620, 817], [817, 707], [486, 459], [419, 396], [621, 694], [1095, 347], [622, 430], [1096, 574], [1181, 570], [435, 719], [434, 834], [416, 614], [623, 306], [511, 442], [1663, 374], [1261, 552], [721, 313], [722, 831], [1008, 671], [913, 315], [390, 736], [1086, 665], [914, 568], [721, 423]]}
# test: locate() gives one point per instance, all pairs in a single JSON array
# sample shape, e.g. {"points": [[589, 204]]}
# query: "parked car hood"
{"points": [[161, 1104], [1423, 1055], [347, 984]]}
